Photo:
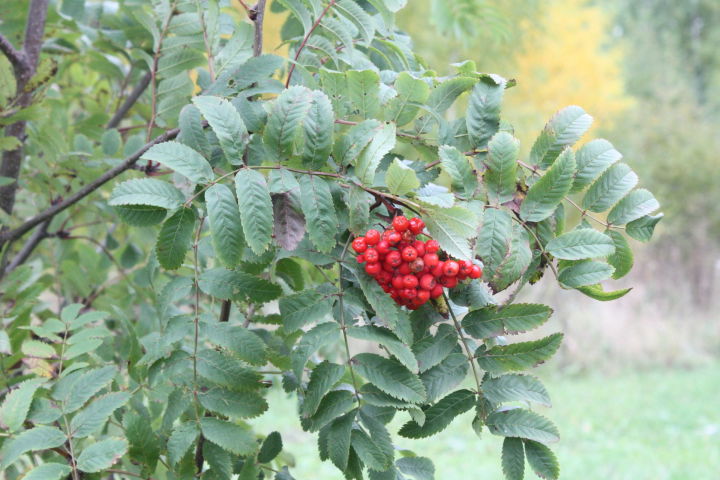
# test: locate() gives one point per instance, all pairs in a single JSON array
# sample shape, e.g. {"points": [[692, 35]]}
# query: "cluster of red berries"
{"points": [[410, 270]]}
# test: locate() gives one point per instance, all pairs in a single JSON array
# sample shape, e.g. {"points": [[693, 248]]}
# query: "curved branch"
{"points": [[16, 57], [305, 40]]}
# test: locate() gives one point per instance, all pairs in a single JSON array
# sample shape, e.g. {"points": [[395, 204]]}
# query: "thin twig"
{"points": [[32, 242], [343, 327], [257, 15], [130, 101], [470, 355], [16, 57], [305, 40], [208, 48], [153, 71]]}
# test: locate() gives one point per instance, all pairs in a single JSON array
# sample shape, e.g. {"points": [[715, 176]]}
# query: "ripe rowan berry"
{"points": [[393, 258], [409, 254], [475, 272], [359, 244], [451, 268], [371, 255], [409, 293], [397, 281], [404, 269], [418, 226], [419, 245], [372, 237], [432, 246], [427, 282], [436, 292], [400, 223], [410, 281], [383, 247], [431, 259], [394, 237], [417, 265], [448, 282], [437, 270], [360, 258], [422, 296], [373, 268]]}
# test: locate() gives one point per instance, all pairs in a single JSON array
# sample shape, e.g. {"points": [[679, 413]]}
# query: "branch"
{"points": [[32, 242], [257, 15], [16, 57], [304, 42], [11, 235], [130, 101]]}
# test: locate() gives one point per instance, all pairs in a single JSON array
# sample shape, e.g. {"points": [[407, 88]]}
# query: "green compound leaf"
{"points": [[303, 308], [635, 205], [387, 339], [338, 440], [364, 92], [323, 377], [642, 229], [175, 238], [483, 111], [366, 164], [515, 318], [271, 448], [607, 190], [622, 259], [101, 455], [284, 129], [411, 92], [457, 165], [318, 130], [317, 205], [48, 471], [236, 285], [518, 356], [522, 423], [233, 404], [400, 178], [452, 228], [227, 124], [38, 438], [16, 405], [501, 164], [542, 460], [580, 244], [183, 159], [546, 194], [92, 418], [592, 160], [439, 416], [513, 459], [390, 376], [228, 436], [225, 226], [515, 388], [586, 272], [563, 130], [256, 209], [146, 191]]}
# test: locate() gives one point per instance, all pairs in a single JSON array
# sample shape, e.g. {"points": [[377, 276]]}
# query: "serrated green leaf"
{"points": [[16, 405], [622, 259], [546, 194], [317, 205], [378, 433], [358, 203], [225, 226], [338, 440], [635, 205], [227, 124], [311, 341], [284, 129], [513, 459], [518, 356], [110, 141], [228, 436], [369, 453], [524, 424], [289, 223], [612, 185], [383, 142], [439, 416], [598, 293], [233, 404], [457, 165], [445, 376], [181, 158], [494, 239], [642, 229], [400, 178], [38, 349], [515, 318], [333, 405], [192, 133], [256, 209], [38, 438], [580, 244], [244, 343], [232, 284], [144, 444], [101, 455], [483, 111], [323, 377], [302, 308], [411, 92], [390, 376], [542, 460], [146, 191], [364, 92], [431, 350], [388, 340], [452, 228], [421, 468], [270, 448], [444, 95], [586, 272], [48, 471], [93, 417], [349, 146], [381, 303], [501, 164], [592, 160], [224, 370], [83, 387], [181, 438], [515, 388], [515, 262], [318, 127], [563, 130], [175, 238]]}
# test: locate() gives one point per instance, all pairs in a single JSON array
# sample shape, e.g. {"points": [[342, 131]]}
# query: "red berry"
{"points": [[422, 296], [400, 223], [404, 269], [397, 281], [360, 258], [419, 226], [386, 288], [410, 281], [371, 255], [409, 254], [359, 244], [408, 236], [393, 258], [451, 268], [384, 277], [383, 247], [394, 237], [465, 267], [427, 282], [449, 282], [387, 267], [432, 246], [417, 265], [475, 272], [419, 245], [436, 292], [437, 270], [372, 237], [431, 259], [409, 293], [373, 268]]}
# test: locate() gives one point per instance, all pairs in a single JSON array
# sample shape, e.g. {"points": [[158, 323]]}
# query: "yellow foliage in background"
{"points": [[564, 60]]}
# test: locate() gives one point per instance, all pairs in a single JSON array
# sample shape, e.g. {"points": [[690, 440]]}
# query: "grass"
{"points": [[659, 425]]}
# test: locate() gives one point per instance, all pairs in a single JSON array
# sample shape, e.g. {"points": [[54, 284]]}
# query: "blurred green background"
{"points": [[637, 381]]}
